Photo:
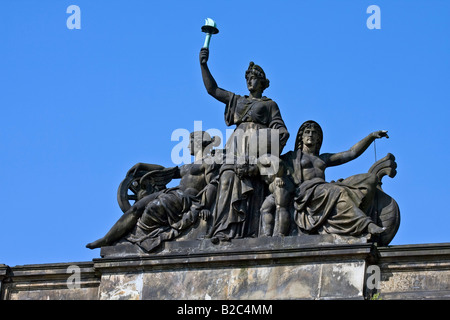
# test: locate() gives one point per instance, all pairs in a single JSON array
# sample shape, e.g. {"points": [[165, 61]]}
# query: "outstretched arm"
{"points": [[335, 159], [208, 80]]}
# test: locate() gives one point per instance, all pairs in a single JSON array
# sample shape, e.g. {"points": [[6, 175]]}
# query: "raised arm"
{"points": [[208, 80], [335, 159]]}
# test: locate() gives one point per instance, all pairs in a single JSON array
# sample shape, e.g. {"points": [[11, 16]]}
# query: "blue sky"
{"points": [[81, 107]]}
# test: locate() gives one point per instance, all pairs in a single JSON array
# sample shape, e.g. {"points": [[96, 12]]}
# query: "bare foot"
{"points": [[96, 244], [372, 228]]}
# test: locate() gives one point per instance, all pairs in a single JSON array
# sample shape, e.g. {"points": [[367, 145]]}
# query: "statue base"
{"points": [[312, 267], [297, 267]]}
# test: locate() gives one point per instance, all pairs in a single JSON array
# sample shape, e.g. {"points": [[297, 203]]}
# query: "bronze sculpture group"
{"points": [[238, 197]]}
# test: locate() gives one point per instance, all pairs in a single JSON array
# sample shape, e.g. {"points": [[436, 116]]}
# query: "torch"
{"points": [[209, 28]]}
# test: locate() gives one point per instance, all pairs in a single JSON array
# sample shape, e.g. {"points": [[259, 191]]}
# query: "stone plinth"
{"points": [[313, 267]]}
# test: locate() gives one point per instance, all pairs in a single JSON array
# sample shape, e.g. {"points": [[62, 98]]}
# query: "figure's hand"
{"points": [[253, 170], [380, 134], [205, 214], [279, 182], [204, 55], [264, 161]]}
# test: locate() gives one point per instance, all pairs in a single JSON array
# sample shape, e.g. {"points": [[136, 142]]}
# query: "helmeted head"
{"points": [[200, 140], [255, 71]]}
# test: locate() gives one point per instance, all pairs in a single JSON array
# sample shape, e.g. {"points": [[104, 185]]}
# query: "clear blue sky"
{"points": [[80, 107]]}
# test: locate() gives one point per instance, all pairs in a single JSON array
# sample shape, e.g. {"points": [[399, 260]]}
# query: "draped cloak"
{"points": [[330, 207], [171, 212], [238, 200]]}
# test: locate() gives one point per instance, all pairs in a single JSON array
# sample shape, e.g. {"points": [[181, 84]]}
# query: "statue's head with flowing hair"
{"points": [[306, 125]]}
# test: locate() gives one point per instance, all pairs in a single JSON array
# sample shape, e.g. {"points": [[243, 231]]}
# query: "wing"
{"points": [[159, 178], [143, 167]]}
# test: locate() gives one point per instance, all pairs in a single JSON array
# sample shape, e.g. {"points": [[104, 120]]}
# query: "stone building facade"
{"points": [[316, 267]]}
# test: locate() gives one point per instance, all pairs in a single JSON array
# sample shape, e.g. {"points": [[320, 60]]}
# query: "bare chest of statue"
{"points": [[192, 175], [312, 167]]}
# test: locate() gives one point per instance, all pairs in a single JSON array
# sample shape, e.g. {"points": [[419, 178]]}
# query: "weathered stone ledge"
{"points": [[415, 271], [248, 251], [313, 267]]}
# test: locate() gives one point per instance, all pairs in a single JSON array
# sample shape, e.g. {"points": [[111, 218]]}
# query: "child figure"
{"points": [[275, 215]]}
